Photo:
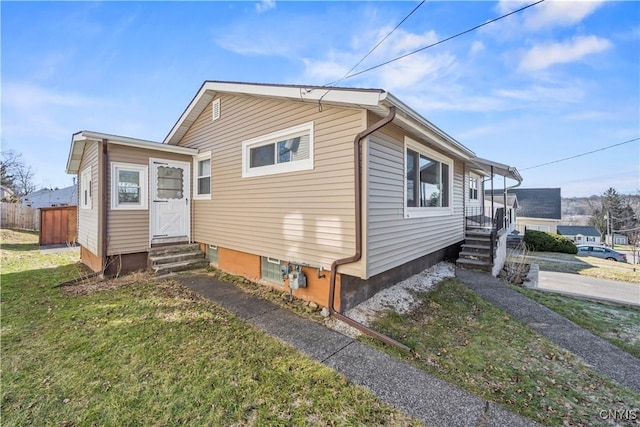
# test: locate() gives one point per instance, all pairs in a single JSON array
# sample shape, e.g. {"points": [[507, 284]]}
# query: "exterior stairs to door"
{"points": [[477, 252], [169, 259]]}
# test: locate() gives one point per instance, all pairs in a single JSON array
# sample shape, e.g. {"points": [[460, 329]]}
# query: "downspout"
{"points": [[103, 203], [358, 223]]}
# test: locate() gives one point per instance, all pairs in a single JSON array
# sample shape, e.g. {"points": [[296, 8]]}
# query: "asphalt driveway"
{"points": [[591, 287]]}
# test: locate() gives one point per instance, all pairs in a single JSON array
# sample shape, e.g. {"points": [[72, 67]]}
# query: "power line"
{"points": [[365, 57], [376, 46], [442, 41], [580, 155]]}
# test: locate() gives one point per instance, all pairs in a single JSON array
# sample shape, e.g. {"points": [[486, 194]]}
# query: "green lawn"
{"points": [[151, 353], [587, 266], [618, 325], [467, 341]]}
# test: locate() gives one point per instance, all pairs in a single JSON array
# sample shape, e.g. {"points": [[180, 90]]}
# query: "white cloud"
{"points": [[30, 97], [476, 47], [265, 5], [551, 13], [544, 56]]}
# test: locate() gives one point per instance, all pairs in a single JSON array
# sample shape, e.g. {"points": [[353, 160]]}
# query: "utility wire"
{"points": [[376, 46], [365, 57], [580, 155], [442, 41]]}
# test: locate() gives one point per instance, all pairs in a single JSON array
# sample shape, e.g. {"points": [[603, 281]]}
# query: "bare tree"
{"points": [[15, 175]]}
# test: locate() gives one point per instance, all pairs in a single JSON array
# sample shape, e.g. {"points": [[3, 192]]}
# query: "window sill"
{"points": [[426, 212]]}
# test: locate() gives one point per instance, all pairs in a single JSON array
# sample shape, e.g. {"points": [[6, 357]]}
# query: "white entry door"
{"points": [[170, 204]]}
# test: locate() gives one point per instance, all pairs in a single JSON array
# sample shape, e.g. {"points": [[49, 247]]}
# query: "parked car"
{"points": [[601, 252]]}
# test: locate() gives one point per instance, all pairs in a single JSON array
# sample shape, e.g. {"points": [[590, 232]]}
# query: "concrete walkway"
{"points": [[406, 387], [591, 287], [603, 356]]}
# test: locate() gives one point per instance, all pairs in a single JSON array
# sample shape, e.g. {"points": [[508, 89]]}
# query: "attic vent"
{"points": [[216, 109]]}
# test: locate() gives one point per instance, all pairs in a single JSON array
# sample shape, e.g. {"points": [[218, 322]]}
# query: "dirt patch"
{"points": [[94, 285]]}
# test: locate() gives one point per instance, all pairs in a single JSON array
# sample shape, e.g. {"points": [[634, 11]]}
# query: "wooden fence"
{"points": [[14, 215]]}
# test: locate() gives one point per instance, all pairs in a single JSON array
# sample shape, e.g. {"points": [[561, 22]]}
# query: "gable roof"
{"points": [[377, 101], [80, 139], [574, 230], [544, 203]]}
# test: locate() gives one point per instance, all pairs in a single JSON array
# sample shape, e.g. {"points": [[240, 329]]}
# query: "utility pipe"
{"points": [[358, 223]]}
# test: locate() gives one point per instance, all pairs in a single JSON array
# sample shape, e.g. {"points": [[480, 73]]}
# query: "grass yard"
{"points": [[618, 325], [463, 339], [587, 266], [151, 353]]}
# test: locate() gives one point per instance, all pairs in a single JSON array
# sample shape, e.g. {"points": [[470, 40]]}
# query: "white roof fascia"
{"points": [[447, 140], [336, 96], [499, 168], [79, 140]]}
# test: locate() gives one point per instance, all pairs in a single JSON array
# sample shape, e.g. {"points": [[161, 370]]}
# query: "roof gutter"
{"points": [[358, 250]]}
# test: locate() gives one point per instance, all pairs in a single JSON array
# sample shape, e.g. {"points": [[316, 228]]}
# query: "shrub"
{"points": [[547, 242]]}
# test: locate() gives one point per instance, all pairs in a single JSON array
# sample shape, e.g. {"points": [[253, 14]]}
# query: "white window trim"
{"points": [[83, 185], [144, 187], [422, 212], [196, 159], [298, 165]]}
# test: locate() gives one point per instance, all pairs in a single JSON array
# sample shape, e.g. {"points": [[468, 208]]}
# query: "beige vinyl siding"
{"points": [[88, 230], [304, 216], [391, 239], [547, 225], [128, 230]]}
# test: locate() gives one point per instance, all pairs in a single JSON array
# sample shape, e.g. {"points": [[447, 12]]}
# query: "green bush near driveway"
{"points": [[548, 242]]}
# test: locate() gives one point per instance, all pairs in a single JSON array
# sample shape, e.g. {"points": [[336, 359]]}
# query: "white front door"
{"points": [[170, 204]]}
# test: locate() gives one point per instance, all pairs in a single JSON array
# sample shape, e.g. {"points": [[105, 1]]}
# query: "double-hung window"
{"points": [[473, 188], [288, 150], [128, 186], [202, 176], [428, 181], [85, 189]]}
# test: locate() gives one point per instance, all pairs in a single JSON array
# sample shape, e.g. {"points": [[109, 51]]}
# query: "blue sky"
{"points": [[559, 79]]}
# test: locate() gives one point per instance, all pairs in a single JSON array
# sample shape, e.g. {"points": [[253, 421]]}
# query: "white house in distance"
{"points": [[580, 234], [539, 209]]}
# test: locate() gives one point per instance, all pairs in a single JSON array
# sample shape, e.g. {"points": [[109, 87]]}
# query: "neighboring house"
{"points": [[618, 239], [580, 234], [351, 186], [46, 197], [538, 209], [497, 197]]}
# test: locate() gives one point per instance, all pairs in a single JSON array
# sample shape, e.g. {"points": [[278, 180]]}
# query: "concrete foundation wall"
{"points": [[355, 290]]}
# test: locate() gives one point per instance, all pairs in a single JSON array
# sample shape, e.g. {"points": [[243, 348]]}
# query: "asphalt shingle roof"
{"points": [[574, 230], [543, 203]]}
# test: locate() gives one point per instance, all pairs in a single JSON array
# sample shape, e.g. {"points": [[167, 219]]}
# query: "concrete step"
{"points": [[471, 264], [476, 247], [480, 256], [172, 249], [164, 269], [176, 257]]}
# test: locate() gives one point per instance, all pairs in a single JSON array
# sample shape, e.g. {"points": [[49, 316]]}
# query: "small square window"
{"points": [[128, 186], [271, 270], [202, 176], [212, 254]]}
